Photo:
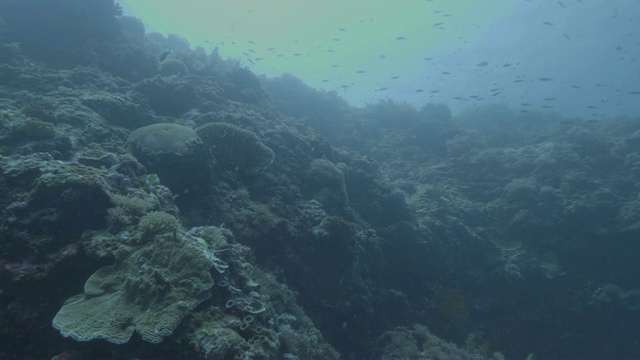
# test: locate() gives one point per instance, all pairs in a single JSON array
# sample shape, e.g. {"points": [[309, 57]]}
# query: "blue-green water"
{"points": [[463, 53]]}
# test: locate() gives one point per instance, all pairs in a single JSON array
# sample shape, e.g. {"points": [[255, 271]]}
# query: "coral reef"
{"points": [[171, 151], [327, 184], [235, 149], [418, 342], [148, 291], [221, 215]]}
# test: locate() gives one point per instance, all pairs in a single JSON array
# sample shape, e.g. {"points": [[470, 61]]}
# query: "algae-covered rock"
{"points": [[242, 85], [132, 26], [169, 95], [127, 111], [418, 342], [44, 194], [149, 291], [35, 130]]}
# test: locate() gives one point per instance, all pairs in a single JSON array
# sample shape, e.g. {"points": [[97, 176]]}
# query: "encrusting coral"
{"points": [[148, 291]]}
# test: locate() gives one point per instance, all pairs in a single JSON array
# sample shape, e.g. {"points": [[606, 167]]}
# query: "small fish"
{"points": [[458, 98], [383, 56], [545, 79], [395, 77], [325, 80], [361, 71], [445, 73], [591, 107], [437, 24], [297, 54], [506, 65], [251, 42], [434, 91], [337, 39], [567, 36], [525, 104], [484, 63], [561, 4], [428, 58], [164, 55], [547, 23], [634, 93], [401, 38], [342, 29], [496, 93], [549, 99], [547, 106], [518, 81], [382, 89], [419, 90], [271, 49], [575, 86], [335, 65]]}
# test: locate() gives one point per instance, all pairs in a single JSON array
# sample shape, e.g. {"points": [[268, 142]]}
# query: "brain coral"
{"points": [[235, 149], [325, 175], [150, 292]]}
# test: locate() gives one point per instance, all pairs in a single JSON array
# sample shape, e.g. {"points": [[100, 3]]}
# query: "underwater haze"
{"points": [[573, 57], [442, 180]]}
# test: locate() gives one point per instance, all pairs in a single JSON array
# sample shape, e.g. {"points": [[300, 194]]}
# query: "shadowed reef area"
{"points": [[185, 208]]}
